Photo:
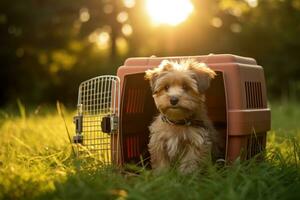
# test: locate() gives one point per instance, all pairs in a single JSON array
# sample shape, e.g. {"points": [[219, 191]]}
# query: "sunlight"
{"points": [[103, 40], [252, 3], [170, 12]]}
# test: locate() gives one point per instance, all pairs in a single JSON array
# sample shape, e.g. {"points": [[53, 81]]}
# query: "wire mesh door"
{"points": [[98, 98]]}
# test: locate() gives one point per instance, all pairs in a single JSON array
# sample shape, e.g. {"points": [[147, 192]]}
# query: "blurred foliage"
{"points": [[48, 47]]}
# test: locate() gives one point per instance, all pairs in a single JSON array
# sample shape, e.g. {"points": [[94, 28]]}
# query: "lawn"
{"points": [[36, 162]]}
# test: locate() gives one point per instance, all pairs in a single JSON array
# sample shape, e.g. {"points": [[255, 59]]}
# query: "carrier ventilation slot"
{"points": [[255, 145], [253, 94], [135, 100], [132, 146]]}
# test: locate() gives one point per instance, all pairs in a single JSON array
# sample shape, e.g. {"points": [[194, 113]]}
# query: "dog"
{"points": [[182, 134]]}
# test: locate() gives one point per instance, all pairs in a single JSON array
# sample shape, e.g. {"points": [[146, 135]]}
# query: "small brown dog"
{"points": [[182, 134]]}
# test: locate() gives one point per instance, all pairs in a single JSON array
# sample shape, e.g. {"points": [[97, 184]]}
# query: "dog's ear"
{"points": [[165, 65], [153, 74], [202, 74]]}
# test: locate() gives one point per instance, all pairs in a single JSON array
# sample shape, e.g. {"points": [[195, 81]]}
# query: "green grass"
{"points": [[36, 162]]}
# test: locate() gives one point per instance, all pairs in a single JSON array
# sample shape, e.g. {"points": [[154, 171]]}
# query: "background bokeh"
{"points": [[48, 47]]}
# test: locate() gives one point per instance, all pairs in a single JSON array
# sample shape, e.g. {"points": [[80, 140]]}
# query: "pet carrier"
{"points": [[113, 124]]}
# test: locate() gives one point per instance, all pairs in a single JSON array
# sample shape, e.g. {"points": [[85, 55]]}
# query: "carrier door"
{"points": [[97, 117]]}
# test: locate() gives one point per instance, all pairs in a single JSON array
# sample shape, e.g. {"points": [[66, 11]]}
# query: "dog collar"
{"points": [[183, 122]]}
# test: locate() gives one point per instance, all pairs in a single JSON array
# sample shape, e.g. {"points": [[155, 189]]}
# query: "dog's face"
{"points": [[178, 88]]}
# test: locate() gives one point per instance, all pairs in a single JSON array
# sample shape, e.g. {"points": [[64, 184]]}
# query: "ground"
{"points": [[36, 162]]}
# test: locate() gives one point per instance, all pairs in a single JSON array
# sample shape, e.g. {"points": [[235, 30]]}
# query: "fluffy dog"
{"points": [[181, 135]]}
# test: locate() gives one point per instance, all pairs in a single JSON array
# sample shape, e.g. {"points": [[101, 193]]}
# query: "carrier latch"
{"points": [[78, 138], [109, 124]]}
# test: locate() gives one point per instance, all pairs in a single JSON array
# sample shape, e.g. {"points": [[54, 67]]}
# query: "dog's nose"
{"points": [[174, 100]]}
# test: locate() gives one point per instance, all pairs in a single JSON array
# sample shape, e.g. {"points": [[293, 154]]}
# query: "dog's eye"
{"points": [[167, 87]]}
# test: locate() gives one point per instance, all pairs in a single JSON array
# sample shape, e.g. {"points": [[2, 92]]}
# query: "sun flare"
{"points": [[170, 12]]}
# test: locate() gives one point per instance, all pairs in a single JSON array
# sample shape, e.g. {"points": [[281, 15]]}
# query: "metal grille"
{"points": [[253, 94], [97, 98]]}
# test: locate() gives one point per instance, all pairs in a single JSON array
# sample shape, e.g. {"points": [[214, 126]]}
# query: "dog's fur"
{"points": [[185, 146]]}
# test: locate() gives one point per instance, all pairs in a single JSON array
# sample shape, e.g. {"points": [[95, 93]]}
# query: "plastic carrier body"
{"points": [[236, 104]]}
